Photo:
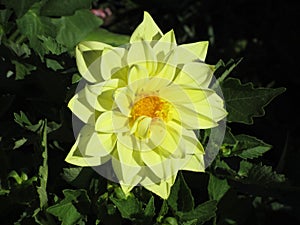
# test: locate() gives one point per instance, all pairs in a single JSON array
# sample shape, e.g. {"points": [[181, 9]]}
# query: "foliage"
{"points": [[37, 78]]}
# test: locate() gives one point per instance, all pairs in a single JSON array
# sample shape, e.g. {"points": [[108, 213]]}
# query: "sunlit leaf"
{"points": [[73, 29], [107, 37]]}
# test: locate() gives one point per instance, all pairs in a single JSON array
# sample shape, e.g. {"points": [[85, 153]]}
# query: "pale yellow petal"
{"points": [[123, 98], [195, 163], [212, 106], [111, 61], [183, 54], [81, 108], [192, 119], [154, 160], [111, 84], [171, 140], [129, 140], [190, 143], [177, 94], [105, 101], [137, 72], [126, 164], [165, 44], [86, 54], [104, 93], [97, 144], [161, 189], [143, 127], [199, 49], [142, 53], [146, 31], [77, 158], [137, 77], [196, 74], [92, 46], [112, 122], [165, 71]]}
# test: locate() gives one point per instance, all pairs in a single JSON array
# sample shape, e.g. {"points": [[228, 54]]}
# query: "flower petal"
{"points": [[164, 45], [137, 72], [81, 108], [192, 119], [111, 61], [112, 122], [185, 53], [146, 31], [212, 106], [126, 163], [184, 94], [142, 53], [96, 144], [190, 143], [76, 157], [143, 127], [165, 71], [123, 98], [196, 74], [198, 48], [162, 189], [195, 163], [86, 53]]}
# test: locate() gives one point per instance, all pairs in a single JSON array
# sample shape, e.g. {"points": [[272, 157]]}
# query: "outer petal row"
{"points": [[146, 31], [91, 148]]}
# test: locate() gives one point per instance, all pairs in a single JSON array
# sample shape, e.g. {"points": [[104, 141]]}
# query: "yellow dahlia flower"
{"points": [[140, 105]]}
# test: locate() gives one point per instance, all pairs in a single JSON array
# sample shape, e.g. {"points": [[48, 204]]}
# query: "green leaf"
{"points": [[51, 45], [53, 64], [163, 211], [190, 222], [243, 101], [73, 29], [70, 174], [43, 170], [181, 198], [245, 166], [170, 221], [223, 70], [129, 207], [217, 187], [201, 213], [107, 37], [259, 174], [19, 143], [19, 49], [249, 147], [22, 69], [150, 208], [33, 26], [22, 119], [19, 6], [66, 210], [64, 8]]}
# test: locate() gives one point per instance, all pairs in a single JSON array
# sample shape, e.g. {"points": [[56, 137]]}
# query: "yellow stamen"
{"points": [[151, 106]]}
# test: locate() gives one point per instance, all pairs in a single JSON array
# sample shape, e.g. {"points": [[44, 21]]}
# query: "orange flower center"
{"points": [[151, 106]]}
